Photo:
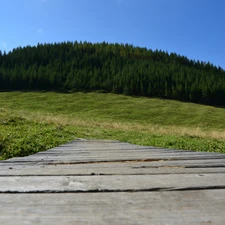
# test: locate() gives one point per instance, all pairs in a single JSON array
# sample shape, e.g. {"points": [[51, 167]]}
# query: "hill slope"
{"points": [[32, 121], [117, 68]]}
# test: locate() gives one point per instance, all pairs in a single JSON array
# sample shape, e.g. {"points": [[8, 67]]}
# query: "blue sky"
{"points": [[194, 28]]}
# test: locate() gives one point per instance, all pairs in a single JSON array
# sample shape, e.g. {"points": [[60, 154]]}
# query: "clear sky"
{"points": [[193, 28]]}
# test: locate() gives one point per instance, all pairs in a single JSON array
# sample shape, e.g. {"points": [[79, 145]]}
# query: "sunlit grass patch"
{"points": [[32, 122]]}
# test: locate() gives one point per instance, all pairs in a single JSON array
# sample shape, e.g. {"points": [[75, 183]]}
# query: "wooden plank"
{"points": [[110, 183], [135, 163], [121, 152], [112, 157], [155, 208], [109, 169]]}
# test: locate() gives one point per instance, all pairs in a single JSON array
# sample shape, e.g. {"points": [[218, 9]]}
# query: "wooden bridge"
{"points": [[109, 182]]}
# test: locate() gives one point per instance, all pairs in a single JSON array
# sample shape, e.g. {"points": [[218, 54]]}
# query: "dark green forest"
{"points": [[116, 68]]}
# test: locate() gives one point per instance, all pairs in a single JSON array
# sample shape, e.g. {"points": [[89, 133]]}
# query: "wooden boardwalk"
{"points": [[109, 182]]}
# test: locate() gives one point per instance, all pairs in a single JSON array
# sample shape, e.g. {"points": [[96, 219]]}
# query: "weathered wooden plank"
{"points": [[155, 208], [134, 163], [108, 169], [111, 157], [113, 152], [110, 183], [120, 167], [121, 152]]}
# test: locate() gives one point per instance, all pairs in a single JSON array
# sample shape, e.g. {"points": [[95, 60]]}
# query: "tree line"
{"points": [[118, 68]]}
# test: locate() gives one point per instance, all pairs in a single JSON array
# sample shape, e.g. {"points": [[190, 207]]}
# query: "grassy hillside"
{"points": [[36, 121]]}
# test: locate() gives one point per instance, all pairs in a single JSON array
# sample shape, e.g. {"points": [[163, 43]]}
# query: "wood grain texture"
{"points": [[109, 169], [111, 182], [143, 208]]}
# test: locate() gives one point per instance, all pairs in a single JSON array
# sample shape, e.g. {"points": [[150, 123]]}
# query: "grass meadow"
{"points": [[36, 121]]}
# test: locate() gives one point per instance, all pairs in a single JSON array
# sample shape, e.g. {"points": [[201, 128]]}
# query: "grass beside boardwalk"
{"points": [[36, 121]]}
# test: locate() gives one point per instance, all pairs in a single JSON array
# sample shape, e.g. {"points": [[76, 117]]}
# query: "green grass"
{"points": [[36, 121]]}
